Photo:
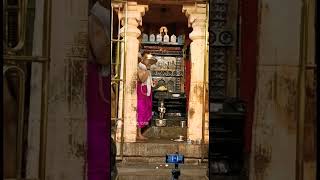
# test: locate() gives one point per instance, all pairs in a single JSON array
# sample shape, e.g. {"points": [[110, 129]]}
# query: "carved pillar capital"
{"points": [[197, 19], [134, 13]]}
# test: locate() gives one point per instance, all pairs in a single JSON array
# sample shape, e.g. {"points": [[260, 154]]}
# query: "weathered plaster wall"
{"points": [[67, 117], [274, 128]]}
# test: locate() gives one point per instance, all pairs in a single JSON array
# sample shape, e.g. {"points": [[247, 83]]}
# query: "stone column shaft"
{"points": [[131, 32], [197, 19]]}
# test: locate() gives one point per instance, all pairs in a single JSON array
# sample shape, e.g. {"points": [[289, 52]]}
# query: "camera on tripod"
{"points": [[175, 159]]}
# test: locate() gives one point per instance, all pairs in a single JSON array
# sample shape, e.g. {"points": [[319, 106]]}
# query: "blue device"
{"points": [[175, 158]]}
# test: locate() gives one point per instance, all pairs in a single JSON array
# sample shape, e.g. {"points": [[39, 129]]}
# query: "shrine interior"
{"points": [[172, 71]]}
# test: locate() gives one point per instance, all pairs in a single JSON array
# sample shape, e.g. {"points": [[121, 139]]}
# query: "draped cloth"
{"points": [[98, 124], [144, 108], [98, 92], [144, 95], [103, 15], [148, 82]]}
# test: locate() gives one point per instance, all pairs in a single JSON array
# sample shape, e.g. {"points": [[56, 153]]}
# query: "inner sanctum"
{"points": [[175, 35], [166, 40]]}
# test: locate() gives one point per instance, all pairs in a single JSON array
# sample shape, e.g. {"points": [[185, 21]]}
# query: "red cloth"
{"points": [[187, 82], [98, 125], [249, 50], [188, 67]]}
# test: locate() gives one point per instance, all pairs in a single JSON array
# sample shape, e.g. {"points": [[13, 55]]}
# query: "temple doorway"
{"points": [[174, 34], [166, 37]]}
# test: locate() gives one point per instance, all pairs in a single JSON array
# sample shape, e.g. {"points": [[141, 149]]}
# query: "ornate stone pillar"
{"points": [[197, 20], [131, 32]]}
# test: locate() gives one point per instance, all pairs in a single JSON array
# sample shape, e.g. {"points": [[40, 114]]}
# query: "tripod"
{"points": [[175, 173]]}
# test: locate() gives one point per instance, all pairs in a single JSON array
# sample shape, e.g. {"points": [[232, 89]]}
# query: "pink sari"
{"points": [[144, 108]]}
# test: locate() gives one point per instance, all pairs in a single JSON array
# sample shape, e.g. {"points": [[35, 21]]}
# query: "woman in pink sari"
{"points": [[144, 94]]}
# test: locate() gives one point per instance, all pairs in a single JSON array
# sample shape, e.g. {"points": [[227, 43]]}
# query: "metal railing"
{"points": [[13, 58], [21, 75], [22, 8], [118, 78]]}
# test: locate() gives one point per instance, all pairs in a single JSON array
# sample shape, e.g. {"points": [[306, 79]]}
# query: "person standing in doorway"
{"points": [[98, 92], [144, 94]]}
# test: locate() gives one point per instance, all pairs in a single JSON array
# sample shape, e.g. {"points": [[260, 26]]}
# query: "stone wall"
{"points": [[274, 129], [66, 116]]}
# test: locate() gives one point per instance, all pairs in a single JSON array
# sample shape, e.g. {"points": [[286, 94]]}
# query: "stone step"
{"points": [[166, 132], [159, 148], [160, 171], [159, 160], [154, 177]]}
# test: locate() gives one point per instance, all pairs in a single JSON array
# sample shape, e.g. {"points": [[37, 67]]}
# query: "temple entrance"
{"points": [[151, 29], [174, 34], [167, 39]]}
